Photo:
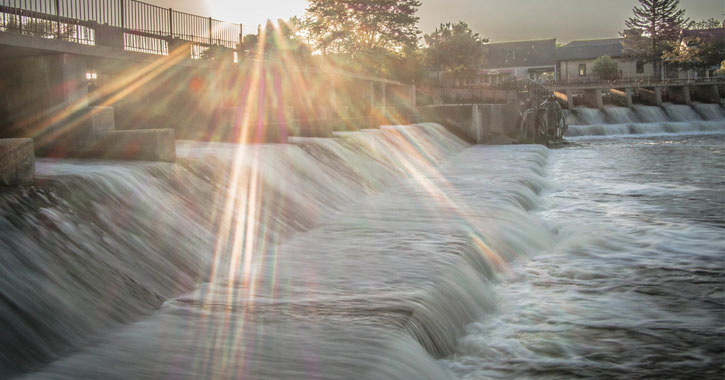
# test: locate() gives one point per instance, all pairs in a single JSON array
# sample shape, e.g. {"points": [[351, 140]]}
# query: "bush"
{"points": [[605, 68]]}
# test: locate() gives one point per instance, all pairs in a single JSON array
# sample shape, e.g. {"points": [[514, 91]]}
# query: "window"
{"points": [[582, 69], [640, 67]]}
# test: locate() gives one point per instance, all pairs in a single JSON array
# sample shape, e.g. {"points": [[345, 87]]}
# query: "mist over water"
{"points": [[401, 253]]}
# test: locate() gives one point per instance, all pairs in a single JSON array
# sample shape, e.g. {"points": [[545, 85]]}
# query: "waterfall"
{"points": [[362, 255], [621, 115], [710, 111], [647, 120]]}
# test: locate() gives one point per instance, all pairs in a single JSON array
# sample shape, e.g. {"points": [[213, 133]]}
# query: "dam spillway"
{"points": [[398, 253], [643, 120]]}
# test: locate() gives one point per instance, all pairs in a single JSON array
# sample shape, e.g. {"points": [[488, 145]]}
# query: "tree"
{"points": [[455, 49], [699, 49], [653, 30], [605, 68], [362, 27], [711, 23]]}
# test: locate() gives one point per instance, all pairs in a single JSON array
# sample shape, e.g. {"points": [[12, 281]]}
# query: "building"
{"points": [[576, 59], [535, 59]]}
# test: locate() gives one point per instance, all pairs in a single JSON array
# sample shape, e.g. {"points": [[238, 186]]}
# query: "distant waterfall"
{"points": [[642, 119]]}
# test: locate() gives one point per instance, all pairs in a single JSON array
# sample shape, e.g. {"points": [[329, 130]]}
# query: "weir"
{"points": [[642, 119], [165, 256]]}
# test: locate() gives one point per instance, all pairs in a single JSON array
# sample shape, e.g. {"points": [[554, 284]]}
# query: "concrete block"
{"points": [[312, 128], [17, 161], [622, 97], [651, 96], [594, 98], [141, 145], [101, 119]]}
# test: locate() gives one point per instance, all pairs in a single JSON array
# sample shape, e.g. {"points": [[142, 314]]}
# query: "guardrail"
{"points": [[625, 82], [145, 27]]}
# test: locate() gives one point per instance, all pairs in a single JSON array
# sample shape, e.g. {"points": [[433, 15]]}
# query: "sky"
{"points": [[500, 20]]}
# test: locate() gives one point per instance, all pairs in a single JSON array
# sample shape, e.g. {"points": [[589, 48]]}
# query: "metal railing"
{"points": [[141, 26]]}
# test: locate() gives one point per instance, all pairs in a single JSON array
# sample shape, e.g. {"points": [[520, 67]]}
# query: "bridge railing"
{"points": [[634, 81], [145, 27]]}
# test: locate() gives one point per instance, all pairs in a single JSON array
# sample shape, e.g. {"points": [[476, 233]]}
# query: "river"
{"points": [[401, 253]]}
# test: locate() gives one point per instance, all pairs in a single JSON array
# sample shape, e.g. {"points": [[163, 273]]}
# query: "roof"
{"points": [[590, 49], [521, 54]]}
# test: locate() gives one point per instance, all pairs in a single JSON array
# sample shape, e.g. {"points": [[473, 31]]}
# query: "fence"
{"points": [[144, 27], [512, 90]]}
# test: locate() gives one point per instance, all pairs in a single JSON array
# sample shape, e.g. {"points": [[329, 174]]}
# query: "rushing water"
{"points": [[401, 253], [635, 285], [646, 120]]}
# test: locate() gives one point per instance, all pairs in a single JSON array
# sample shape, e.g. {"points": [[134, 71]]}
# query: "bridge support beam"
{"points": [[652, 96], [623, 96], [680, 94], [594, 98]]}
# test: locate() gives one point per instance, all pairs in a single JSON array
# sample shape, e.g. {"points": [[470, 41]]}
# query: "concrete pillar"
{"points": [[384, 95], [17, 162], [569, 99], [628, 97], [69, 86], [594, 98], [651, 96], [413, 96], [622, 96]]}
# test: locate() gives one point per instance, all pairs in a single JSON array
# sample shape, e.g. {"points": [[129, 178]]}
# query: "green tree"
{"points": [[455, 49], [362, 27], [653, 30], [711, 23], [605, 68]]}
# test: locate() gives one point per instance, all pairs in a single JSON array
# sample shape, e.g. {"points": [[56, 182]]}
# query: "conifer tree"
{"points": [[653, 29]]}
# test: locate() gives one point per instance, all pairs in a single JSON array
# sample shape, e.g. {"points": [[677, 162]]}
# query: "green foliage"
{"points": [[605, 68], [356, 27], [711, 23], [455, 49], [653, 30], [280, 40]]}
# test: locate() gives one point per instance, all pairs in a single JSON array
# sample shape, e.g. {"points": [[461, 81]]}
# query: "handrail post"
{"points": [[57, 16], [171, 23], [123, 15], [211, 39]]}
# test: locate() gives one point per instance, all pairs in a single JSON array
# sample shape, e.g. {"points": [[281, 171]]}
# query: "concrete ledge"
{"points": [[311, 128], [17, 161], [140, 145]]}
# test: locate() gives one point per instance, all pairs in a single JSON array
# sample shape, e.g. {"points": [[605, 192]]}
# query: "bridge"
{"points": [[711, 90], [79, 75]]}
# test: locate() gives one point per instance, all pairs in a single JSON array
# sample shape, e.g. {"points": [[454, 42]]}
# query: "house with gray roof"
{"points": [[576, 59], [534, 59]]}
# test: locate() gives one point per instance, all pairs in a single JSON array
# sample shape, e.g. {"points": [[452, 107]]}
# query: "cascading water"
{"points": [[252, 253], [646, 120], [400, 253]]}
